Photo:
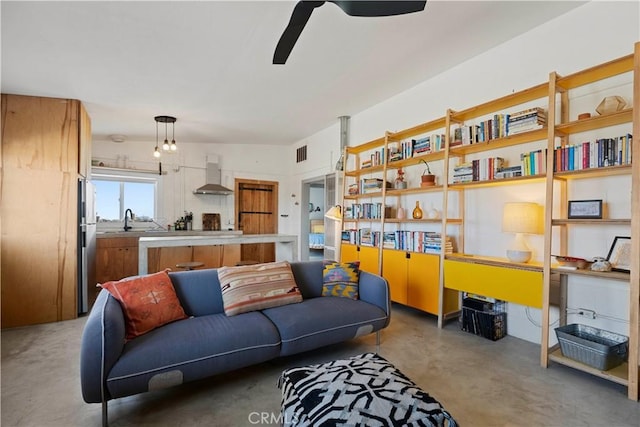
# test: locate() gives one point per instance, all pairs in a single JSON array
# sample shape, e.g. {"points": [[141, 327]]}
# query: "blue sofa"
{"points": [[208, 342]]}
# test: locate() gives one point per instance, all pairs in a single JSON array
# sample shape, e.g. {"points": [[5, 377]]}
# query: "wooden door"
{"points": [[257, 213]]}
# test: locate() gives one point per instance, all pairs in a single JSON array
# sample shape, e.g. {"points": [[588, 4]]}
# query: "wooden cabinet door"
{"points": [[231, 255], [394, 269], [161, 258], [422, 282], [129, 261], [108, 264]]}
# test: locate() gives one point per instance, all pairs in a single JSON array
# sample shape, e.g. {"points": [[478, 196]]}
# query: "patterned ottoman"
{"points": [[364, 390]]}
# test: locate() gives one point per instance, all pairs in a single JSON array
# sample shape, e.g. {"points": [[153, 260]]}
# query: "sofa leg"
{"points": [[105, 420], [377, 342]]}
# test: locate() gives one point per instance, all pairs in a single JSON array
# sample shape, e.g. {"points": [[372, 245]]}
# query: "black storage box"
{"points": [[479, 318]]}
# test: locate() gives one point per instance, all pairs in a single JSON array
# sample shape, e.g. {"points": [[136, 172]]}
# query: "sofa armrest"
{"points": [[103, 339], [374, 289]]}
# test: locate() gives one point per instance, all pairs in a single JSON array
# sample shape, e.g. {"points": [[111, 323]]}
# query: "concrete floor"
{"points": [[480, 382]]}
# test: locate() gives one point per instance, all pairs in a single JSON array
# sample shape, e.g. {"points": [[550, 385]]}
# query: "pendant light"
{"points": [[169, 148]]}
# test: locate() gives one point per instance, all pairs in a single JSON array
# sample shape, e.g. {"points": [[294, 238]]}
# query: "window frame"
{"points": [[132, 177]]}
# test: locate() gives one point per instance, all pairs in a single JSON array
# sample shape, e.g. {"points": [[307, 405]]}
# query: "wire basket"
{"points": [[594, 347]]}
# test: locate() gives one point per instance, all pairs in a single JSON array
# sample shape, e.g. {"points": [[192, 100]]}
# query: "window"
{"points": [[117, 193]]}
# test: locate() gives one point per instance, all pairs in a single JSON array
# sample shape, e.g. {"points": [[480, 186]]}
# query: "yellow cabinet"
{"points": [[348, 252], [414, 281], [368, 256], [423, 271], [492, 278], [394, 269]]}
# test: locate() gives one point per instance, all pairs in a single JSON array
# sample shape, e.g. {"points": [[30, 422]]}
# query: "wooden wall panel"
{"points": [[39, 210]]}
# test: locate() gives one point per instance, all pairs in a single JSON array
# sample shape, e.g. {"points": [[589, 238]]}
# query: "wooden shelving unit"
{"points": [[562, 228], [470, 269]]}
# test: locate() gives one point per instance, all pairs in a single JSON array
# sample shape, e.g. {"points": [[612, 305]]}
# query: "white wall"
{"points": [[591, 34], [186, 172]]}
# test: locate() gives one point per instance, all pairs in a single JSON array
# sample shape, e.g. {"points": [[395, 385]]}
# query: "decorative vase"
{"points": [[433, 213], [401, 213], [417, 212]]}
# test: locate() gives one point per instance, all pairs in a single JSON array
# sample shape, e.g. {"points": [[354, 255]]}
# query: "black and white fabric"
{"points": [[364, 390]]}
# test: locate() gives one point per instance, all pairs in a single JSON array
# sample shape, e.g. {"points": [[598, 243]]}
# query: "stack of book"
{"points": [[596, 154], [372, 185], [417, 241], [463, 173], [526, 120], [509, 172], [366, 211], [534, 162], [478, 170], [367, 237], [421, 146]]}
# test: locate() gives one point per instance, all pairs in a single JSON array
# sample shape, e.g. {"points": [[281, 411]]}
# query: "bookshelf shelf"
{"points": [[600, 222], [498, 182], [500, 143], [594, 172], [610, 275], [597, 122], [619, 374]]}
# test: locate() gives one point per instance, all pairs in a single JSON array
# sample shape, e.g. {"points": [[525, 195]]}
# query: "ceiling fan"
{"points": [[303, 9]]}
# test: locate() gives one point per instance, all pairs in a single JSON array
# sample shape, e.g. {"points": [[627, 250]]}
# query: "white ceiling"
{"points": [[209, 62]]}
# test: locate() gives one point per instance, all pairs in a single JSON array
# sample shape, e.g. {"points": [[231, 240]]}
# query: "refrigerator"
{"points": [[86, 245]]}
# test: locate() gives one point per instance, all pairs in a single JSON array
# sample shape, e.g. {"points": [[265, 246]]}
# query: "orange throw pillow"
{"points": [[147, 301]]}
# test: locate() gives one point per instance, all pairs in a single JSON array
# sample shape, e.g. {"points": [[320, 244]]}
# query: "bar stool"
{"points": [[189, 265]]}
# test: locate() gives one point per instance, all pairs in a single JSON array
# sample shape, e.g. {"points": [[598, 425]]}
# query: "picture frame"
{"points": [[584, 209], [620, 254]]}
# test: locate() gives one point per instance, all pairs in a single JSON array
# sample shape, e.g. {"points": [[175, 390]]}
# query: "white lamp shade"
{"points": [[335, 213], [522, 217]]}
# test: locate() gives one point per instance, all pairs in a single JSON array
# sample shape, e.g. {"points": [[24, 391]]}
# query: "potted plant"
{"points": [[427, 179]]}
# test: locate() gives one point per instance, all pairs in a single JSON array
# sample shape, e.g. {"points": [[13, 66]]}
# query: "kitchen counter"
{"points": [[112, 234], [286, 245]]}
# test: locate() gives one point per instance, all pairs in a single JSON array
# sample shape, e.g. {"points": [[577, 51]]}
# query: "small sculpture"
{"points": [[611, 104], [601, 264], [400, 184]]}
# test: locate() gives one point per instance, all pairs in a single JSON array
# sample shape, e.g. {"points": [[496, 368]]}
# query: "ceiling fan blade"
{"points": [[379, 8], [301, 14]]}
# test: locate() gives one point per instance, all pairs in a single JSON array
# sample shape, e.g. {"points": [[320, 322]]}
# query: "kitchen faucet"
{"points": [[127, 227]]}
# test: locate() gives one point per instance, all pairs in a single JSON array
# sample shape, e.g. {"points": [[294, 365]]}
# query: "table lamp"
{"points": [[521, 218], [335, 213]]}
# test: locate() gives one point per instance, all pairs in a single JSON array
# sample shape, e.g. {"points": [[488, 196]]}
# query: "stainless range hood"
{"points": [[213, 185]]}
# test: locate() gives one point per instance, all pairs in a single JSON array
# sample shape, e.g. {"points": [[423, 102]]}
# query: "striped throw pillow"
{"points": [[256, 287]]}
